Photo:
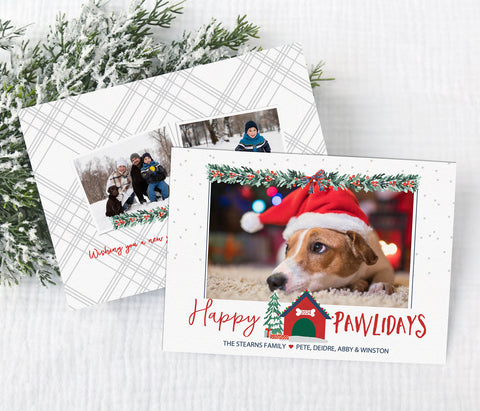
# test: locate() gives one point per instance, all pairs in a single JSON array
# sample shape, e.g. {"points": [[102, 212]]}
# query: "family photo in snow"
{"points": [[257, 131], [128, 176], [143, 178]]}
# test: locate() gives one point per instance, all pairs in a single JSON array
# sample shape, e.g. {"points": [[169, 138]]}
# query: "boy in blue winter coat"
{"points": [[252, 140], [155, 176]]}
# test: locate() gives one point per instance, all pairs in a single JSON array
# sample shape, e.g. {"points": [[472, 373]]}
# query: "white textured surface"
{"points": [[406, 86]]}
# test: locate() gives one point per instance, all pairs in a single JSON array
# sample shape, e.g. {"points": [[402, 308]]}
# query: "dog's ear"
{"points": [[361, 249]]}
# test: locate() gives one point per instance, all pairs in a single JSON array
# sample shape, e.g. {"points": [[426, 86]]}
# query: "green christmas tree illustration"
{"points": [[272, 317]]}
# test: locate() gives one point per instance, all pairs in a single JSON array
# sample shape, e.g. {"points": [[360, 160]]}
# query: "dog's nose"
{"points": [[276, 281]]}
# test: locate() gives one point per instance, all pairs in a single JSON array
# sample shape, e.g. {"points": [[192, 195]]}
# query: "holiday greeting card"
{"points": [[309, 256], [102, 160]]}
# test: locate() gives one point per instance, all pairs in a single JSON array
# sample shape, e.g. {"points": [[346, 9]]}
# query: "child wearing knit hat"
{"points": [[252, 140], [155, 176]]}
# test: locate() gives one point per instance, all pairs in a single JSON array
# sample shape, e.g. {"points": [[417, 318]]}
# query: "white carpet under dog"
{"points": [[248, 282]]}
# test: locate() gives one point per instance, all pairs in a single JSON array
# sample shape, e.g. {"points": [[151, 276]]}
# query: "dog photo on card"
{"points": [[101, 159], [309, 256]]}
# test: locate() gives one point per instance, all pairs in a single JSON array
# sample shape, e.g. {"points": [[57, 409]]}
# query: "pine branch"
{"points": [[316, 74], [9, 33], [211, 42], [161, 15], [235, 38]]}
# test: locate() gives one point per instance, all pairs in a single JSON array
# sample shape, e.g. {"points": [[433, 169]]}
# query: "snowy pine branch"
{"points": [[96, 50], [161, 15], [212, 42], [9, 33]]}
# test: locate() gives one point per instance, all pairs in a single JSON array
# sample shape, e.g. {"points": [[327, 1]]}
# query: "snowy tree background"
{"points": [[225, 132]]}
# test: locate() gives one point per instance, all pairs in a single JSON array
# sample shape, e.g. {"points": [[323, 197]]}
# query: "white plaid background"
{"points": [[57, 132]]}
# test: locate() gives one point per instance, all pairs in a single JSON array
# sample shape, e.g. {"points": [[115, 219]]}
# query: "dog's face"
{"points": [[320, 258], [113, 190]]}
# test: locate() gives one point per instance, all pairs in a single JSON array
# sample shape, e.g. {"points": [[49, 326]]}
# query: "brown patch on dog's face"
{"points": [[361, 249], [324, 250]]}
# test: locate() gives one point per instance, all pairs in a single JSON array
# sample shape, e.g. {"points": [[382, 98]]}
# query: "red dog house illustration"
{"points": [[305, 318]]}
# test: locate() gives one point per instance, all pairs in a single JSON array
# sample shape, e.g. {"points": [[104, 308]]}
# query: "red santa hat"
{"points": [[333, 209]]}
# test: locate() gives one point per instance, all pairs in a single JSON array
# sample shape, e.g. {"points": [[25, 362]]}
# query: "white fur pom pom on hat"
{"points": [[250, 222]]}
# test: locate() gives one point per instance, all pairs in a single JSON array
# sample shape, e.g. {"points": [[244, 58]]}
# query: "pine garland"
{"points": [[321, 180], [139, 217]]}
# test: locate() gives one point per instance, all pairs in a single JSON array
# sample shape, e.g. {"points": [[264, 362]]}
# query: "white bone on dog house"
{"points": [[305, 318]]}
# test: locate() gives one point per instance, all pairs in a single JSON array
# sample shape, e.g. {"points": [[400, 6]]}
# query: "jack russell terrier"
{"points": [[329, 243]]}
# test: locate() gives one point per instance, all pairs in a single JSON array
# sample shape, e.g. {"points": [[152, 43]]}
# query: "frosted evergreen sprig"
{"points": [[96, 50], [212, 42], [8, 33], [224, 173], [139, 217]]}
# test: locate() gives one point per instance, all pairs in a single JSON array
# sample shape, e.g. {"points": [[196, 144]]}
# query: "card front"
{"points": [[80, 144], [309, 256]]}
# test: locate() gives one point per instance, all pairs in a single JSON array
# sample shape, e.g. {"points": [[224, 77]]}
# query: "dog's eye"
{"points": [[286, 249], [318, 247]]}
